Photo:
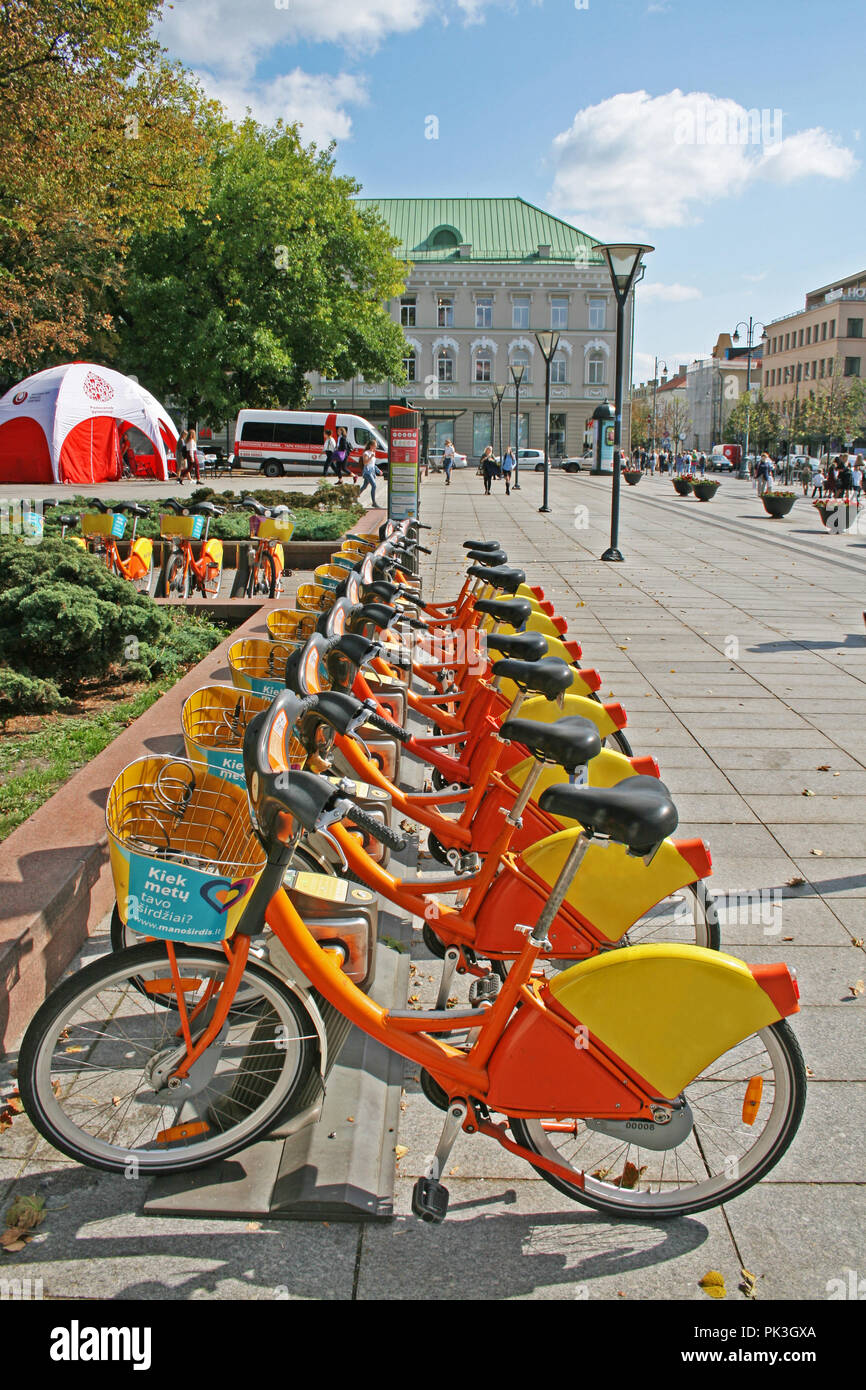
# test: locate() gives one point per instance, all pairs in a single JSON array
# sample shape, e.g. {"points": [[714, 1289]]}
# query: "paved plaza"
{"points": [[737, 645]]}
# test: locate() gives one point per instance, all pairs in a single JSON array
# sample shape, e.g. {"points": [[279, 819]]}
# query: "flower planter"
{"points": [[683, 486], [632, 476], [778, 506], [837, 515], [705, 492]]}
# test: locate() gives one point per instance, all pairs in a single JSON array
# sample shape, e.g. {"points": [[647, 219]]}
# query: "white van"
{"points": [[274, 442]]}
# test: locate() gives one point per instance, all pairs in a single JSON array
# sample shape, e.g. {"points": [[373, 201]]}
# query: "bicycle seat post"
{"points": [[560, 888]]}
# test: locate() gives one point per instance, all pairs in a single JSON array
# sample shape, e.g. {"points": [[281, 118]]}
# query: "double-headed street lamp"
{"points": [[498, 393], [548, 343], [624, 263], [751, 326], [517, 373]]}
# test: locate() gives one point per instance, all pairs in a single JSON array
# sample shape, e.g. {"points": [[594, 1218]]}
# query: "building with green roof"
{"points": [[486, 275]]}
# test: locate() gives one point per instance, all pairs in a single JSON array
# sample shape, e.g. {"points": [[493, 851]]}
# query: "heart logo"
{"points": [[223, 893]]}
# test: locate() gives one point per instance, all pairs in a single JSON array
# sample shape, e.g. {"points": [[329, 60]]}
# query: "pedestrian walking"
{"points": [[448, 461], [369, 472], [508, 469], [329, 447], [857, 475], [193, 455], [340, 456], [764, 474], [180, 458], [488, 468]]}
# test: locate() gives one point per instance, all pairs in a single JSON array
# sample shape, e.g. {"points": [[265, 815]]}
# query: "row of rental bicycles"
{"points": [[605, 1037]]}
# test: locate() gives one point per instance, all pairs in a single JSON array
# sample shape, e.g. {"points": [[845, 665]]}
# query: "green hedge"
{"points": [[65, 619]]}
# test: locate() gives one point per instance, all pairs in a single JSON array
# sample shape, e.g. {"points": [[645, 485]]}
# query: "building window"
{"points": [[407, 311], [823, 331], [557, 370], [808, 335], [814, 370], [409, 367], [766, 378], [519, 359], [444, 366], [520, 311], [787, 337], [821, 367], [595, 368], [557, 435], [482, 431], [597, 313], [855, 328], [444, 314], [799, 371], [482, 369], [832, 328], [558, 312], [852, 366], [523, 442], [484, 311]]}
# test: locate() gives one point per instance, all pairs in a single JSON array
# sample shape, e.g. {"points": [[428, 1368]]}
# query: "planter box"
{"points": [[838, 516], [632, 476], [705, 492], [683, 486], [777, 506]]}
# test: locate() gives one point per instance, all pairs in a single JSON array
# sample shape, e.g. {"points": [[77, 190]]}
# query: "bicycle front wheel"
{"points": [[263, 577], [175, 578], [721, 1156], [93, 1061]]}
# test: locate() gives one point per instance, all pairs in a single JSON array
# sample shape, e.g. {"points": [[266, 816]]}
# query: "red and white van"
{"points": [[274, 442]]}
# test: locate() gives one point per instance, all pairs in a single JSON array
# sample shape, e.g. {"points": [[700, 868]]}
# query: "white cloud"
{"points": [[634, 161], [235, 36], [670, 294], [316, 100], [644, 363]]}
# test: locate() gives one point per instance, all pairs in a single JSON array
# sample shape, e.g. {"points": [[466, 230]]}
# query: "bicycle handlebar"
{"points": [[379, 721], [376, 828]]}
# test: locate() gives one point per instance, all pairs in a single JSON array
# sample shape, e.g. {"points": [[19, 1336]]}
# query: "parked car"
{"points": [[435, 458]]}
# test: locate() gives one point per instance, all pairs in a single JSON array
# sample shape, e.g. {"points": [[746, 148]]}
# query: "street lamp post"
{"points": [[751, 325], [517, 376], [498, 393], [624, 262], [548, 342], [655, 393]]}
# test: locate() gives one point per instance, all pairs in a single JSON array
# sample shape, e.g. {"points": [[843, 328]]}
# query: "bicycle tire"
{"points": [[210, 584], [175, 577], [262, 577], [619, 741], [235, 1106], [711, 1142]]}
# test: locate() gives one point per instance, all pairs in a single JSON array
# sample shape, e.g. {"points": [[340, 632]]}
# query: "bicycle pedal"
{"points": [[483, 990], [430, 1200]]}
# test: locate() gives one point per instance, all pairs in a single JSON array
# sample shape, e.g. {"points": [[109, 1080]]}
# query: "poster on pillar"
{"points": [[403, 455]]}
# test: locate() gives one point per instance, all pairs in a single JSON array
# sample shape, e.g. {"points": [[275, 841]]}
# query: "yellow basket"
{"points": [[365, 540], [189, 526], [271, 528], [329, 576], [315, 598], [260, 666], [214, 721], [183, 853], [291, 624], [100, 524]]}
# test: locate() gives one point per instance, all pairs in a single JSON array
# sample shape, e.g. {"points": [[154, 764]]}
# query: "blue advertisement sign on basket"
{"points": [[171, 901], [226, 763]]}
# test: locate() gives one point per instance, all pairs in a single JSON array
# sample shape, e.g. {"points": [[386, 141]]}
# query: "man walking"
{"points": [[448, 461]]}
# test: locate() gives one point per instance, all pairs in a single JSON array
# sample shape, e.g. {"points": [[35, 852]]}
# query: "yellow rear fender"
{"points": [[143, 548], [548, 711], [612, 889], [607, 769], [213, 549], [670, 1011]]}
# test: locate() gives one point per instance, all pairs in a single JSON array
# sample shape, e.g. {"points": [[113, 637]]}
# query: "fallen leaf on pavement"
{"points": [[713, 1283], [795, 882], [857, 988], [806, 792], [749, 1283], [400, 1150], [825, 767], [818, 853]]}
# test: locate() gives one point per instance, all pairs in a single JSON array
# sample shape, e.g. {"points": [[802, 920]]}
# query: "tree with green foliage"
{"points": [[102, 137], [278, 273], [763, 421], [641, 424]]}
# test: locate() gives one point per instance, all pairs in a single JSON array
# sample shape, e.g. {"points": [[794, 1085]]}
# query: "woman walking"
{"points": [[488, 468], [448, 461], [369, 473], [508, 469], [340, 455]]}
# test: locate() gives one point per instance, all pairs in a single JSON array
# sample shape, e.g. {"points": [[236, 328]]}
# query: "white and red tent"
{"points": [[63, 426]]}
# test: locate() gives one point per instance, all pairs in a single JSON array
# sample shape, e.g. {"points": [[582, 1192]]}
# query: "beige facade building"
{"points": [[487, 273], [820, 342]]}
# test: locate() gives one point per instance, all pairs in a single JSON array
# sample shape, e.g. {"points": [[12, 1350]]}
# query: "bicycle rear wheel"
{"points": [[263, 577], [175, 577], [87, 1068], [721, 1155]]}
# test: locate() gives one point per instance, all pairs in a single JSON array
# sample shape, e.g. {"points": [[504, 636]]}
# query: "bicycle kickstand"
{"points": [[429, 1195]]}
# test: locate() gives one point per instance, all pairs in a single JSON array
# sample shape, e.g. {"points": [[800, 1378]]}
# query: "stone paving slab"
{"points": [[797, 1237]]}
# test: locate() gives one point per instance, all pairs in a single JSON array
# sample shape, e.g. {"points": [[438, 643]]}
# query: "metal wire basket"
{"points": [[260, 666], [183, 853], [214, 721], [315, 598], [291, 624]]}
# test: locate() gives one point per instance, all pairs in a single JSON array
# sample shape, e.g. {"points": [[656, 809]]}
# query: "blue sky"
{"points": [[622, 116]]}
